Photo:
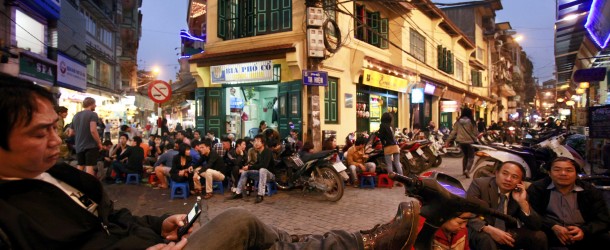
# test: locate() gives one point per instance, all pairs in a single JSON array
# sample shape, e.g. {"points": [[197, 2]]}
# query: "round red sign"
{"points": [[159, 91]]}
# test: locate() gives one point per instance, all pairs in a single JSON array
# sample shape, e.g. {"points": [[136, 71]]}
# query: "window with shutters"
{"points": [[459, 70], [418, 45], [475, 77], [331, 102], [371, 27], [247, 18], [445, 59]]}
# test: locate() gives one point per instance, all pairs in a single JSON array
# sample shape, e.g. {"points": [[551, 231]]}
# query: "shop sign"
{"points": [[70, 73], [315, 78], [48, 8], [449, 106], [598, 22], [380, 80], [37, 69], [429, 89], [242, 72], [417, 95]]}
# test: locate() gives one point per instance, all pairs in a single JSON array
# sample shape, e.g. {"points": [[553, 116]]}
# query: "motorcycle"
{"points": [[533, 159], [418, 156], [441, 197], [312, 172], [454, 150]]}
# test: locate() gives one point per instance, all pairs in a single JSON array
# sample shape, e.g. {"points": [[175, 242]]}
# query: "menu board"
{"points": [[599, 122]]}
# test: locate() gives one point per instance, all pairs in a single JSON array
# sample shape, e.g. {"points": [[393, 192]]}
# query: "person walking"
{"points": [[87, 138], [465, 133], [391, 151]]}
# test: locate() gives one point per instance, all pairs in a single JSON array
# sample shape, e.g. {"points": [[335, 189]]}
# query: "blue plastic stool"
{"points": [[367, 181], [132, 178], [217, 186], [182, 186], [270, 187]]}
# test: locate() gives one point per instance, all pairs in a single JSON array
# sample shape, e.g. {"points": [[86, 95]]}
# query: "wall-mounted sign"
{"points": [[315, 78], [380, 80], [599, 122], [417, 95], [39, 70], [349, 100], [598, 22], [242, 72], [429, 89], [449, 106], [71, 73]]}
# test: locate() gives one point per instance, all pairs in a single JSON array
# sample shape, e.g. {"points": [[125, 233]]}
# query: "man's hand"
{"points": [[500, 236], [169, 228], [362, 167], [576, 234], [563, 234], [170, 246]]}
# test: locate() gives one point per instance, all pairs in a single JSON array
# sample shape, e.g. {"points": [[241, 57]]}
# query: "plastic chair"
{"points": [[367, 180], [183, 187], [132, 178], [270, 187], [383, 180]]}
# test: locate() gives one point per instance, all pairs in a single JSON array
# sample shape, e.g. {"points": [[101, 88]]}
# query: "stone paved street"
{"points": [[289, 210]]}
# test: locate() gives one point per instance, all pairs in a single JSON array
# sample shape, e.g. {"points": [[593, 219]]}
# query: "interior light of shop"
{"points": [[580, 91], [576, 98], [547, 94], [584, 85], [560, 100], [570, 103]]}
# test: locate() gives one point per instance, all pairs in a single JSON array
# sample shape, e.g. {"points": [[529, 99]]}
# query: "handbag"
{"points": [[391, 149]]}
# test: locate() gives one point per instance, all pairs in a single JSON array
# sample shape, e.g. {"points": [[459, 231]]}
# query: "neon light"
{"points": [[593, 21], [187, 35]]}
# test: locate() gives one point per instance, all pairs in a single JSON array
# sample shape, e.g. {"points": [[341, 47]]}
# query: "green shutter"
{"points": [[250, 19], [374, 24], [286, 16], [444, 61], [222, 19], [450, 62], [439, 54], [331, 107], [384, 30], [261, 16]]}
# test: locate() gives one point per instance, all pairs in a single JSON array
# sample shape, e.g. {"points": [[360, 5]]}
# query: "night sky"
{"points": [[163, 19]]}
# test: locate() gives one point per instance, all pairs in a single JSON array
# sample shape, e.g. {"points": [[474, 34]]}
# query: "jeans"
{"points": [[395, 163], [468, 159], [263, 176], [353, 170], [236, 228]]}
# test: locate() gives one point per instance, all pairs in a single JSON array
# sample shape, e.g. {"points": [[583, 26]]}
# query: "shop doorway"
{"points": [[446, 119], [248, 106], [371, 103]]}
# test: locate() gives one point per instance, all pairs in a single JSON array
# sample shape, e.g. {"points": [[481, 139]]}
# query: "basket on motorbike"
{"points": [[294, 161]]}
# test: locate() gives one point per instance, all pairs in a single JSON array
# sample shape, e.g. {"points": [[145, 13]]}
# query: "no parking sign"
{"points": [[159, 91]]}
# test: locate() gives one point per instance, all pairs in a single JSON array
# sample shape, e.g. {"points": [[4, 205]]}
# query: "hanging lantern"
{"points": [[584, 85], [580, 91], [560, 99], [570, 103]]}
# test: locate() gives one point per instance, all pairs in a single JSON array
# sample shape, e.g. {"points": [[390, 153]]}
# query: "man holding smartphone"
{"points": [[506, 193], [55, 206]]}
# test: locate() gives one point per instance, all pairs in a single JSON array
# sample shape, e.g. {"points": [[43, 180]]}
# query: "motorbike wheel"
{"points": [[438, 161], [332, 180], [420, 165], [485, 167]]}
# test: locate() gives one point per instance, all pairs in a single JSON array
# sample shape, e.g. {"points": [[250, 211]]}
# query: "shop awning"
{"points": [[238, 56]]}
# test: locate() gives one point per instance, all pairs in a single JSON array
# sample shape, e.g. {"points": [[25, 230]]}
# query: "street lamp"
{"points": [[518, 38], [156, 71]]}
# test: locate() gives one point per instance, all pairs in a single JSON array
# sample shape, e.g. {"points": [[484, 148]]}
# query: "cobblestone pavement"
{"points": [[293, 211]]}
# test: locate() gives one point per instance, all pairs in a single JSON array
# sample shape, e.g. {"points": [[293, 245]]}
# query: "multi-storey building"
{"points": [[406, 58]]}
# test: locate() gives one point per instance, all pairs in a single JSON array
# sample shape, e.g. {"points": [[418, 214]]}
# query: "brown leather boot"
{"points": [[400, 233]]}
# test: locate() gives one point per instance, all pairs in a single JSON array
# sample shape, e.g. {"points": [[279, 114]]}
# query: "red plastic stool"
{"points": [[152, 178], [384, 181]]}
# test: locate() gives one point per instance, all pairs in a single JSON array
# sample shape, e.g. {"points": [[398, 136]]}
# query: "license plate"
{"points": [[419, 151], [339, 166], [409, 155]]}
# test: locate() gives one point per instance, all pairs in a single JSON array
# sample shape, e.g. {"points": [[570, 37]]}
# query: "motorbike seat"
{"points": [[318, 155]]}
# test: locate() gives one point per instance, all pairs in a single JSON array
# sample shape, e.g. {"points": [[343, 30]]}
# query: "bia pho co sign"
{"points": [[242, 72]]}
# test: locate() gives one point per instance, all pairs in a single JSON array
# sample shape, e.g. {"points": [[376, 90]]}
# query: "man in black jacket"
{"points": [[574, 213], [263, 167], [210, 171], [47, 206], [130, 161]]}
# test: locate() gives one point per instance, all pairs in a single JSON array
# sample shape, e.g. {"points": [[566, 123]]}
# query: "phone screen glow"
{"points": [[192, 213]]}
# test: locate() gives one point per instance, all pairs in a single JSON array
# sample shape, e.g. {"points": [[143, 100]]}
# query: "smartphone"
{"points": [[190, 218]]}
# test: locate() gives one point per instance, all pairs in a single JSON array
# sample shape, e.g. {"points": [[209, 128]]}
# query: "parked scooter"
{"points": [[312, 172], [441, 196], [418, 156], [532, 158]]}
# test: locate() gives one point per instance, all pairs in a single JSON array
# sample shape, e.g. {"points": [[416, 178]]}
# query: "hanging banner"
{"points": [[71, 73], [242, 72], [384, 81]]}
